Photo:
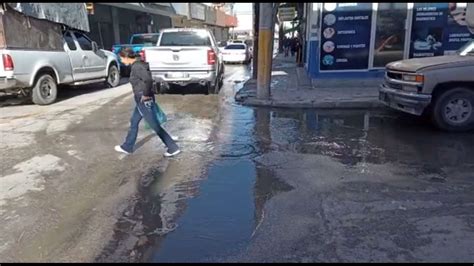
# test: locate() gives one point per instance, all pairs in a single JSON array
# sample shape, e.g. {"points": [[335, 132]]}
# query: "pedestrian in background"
{"points": [[286, 46], [142, 86], [294, 45]]}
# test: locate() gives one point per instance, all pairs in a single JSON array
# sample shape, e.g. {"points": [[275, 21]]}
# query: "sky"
{"points": [[243, 7]]}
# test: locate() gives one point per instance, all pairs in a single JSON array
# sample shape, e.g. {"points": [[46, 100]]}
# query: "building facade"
{"points": [[358, 39], [115, 23]]}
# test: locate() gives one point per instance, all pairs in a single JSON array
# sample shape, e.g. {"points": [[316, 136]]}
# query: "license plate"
{"points": [[177, 75]]}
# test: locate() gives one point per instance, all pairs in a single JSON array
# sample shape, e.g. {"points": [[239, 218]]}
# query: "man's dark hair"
{"points": [[128, 52]]}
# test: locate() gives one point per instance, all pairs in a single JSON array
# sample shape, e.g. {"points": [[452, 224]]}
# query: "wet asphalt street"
{"points": [[252, 184], [323, 186]]}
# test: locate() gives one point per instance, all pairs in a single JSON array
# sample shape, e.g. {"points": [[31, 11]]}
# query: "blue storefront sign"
{"points": [[438, 29], [345, 36]]}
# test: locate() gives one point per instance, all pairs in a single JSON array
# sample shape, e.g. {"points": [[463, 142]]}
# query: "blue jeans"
{"points": [[147, 110]]}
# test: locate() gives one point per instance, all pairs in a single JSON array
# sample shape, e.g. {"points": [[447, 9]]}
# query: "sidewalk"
{"points": [[292, 88]]}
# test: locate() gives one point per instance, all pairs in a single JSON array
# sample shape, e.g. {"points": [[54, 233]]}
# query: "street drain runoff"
{"points": [[236, 150]]}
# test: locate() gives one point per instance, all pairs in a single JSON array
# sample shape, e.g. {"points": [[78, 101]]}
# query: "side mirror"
{"points": [[95, 47]]}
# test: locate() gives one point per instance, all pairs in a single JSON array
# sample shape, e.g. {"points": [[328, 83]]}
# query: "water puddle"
{"points": [[218, 212]]}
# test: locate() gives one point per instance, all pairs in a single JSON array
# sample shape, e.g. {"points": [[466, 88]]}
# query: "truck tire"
{"points": [[45, 90], [113, 76], [453, 110], [213, 89]]}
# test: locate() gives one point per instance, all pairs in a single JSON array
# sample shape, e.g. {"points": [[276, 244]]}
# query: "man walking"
{"points": [[142, 83]]}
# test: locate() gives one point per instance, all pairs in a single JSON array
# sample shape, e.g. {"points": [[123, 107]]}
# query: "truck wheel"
{"points": [[113, 78], [213, 89], [454, 110], [45, 90], [161, 89]]}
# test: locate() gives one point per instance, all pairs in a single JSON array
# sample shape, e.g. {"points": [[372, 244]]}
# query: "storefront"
{"points": [[115, 23], [358, 39]]}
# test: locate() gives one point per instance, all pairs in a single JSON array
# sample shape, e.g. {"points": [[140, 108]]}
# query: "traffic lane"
{"points": [[362, 186], [76, 184]]}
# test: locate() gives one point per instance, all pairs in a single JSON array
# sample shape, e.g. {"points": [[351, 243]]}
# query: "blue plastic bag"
{"points": [[160, 116]]}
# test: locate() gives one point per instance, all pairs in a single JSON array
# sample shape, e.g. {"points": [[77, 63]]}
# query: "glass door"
{"points": [[390, 33]]}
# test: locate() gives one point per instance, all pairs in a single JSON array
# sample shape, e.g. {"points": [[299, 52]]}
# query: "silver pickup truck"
{"points": [[186, 56], [38, 73], [440, 86]]}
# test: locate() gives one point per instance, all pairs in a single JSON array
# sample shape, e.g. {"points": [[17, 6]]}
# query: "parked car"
{"points": [[38, 73], [186, 56], [221, 45], [440, 86], [236, 53], [137, 42]]}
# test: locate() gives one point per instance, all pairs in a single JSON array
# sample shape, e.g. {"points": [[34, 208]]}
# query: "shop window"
{"points": [[390, 33], [438, 29], [345, 36]]}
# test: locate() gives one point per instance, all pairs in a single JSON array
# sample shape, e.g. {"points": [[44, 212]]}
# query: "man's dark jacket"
{"points": [[141, 80]]}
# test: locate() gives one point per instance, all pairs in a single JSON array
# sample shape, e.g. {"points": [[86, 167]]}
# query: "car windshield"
{"points": [[235, 47], [185, 38], [145, 39], [467, 49]]}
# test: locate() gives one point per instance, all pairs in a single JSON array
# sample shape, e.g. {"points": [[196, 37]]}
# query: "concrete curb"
{"points": [[247, 97], [316, 105]]}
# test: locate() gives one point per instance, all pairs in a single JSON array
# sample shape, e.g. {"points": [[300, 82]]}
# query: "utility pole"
{"points": [[256, 15], [265, 50]]}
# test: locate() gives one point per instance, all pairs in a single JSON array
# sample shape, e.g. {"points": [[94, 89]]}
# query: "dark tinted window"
{"points": [[83, 41], [185, 38], [70, 41], [145, 39], [235, 47]]}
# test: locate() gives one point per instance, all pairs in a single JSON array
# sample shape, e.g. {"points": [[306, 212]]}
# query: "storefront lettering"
{"points": [[346, 32], [459, 39], [342, 60], [426, 8], [353, 18], [348, 46], [425, 18], [423, 54], [347, 4]]}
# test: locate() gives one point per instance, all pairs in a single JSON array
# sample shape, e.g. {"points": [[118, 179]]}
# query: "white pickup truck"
{"points": [[37, 73], [186, 56]]}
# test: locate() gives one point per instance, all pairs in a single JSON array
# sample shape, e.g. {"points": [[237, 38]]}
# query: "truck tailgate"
{"points": [[177, 58]]}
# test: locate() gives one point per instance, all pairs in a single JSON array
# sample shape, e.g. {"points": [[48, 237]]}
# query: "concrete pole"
{"points": [[265, 53], [256, 15], [115, 25]]}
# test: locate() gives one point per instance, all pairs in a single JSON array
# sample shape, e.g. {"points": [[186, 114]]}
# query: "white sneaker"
{"points": [[167, 154], [175, 138], [119, 149]]}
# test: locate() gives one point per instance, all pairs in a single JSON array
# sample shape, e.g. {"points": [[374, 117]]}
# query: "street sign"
{"points": [[286, 13]]}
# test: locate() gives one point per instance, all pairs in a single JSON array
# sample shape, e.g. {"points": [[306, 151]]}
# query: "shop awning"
{"points": [[73, 15], [164, 9]]}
